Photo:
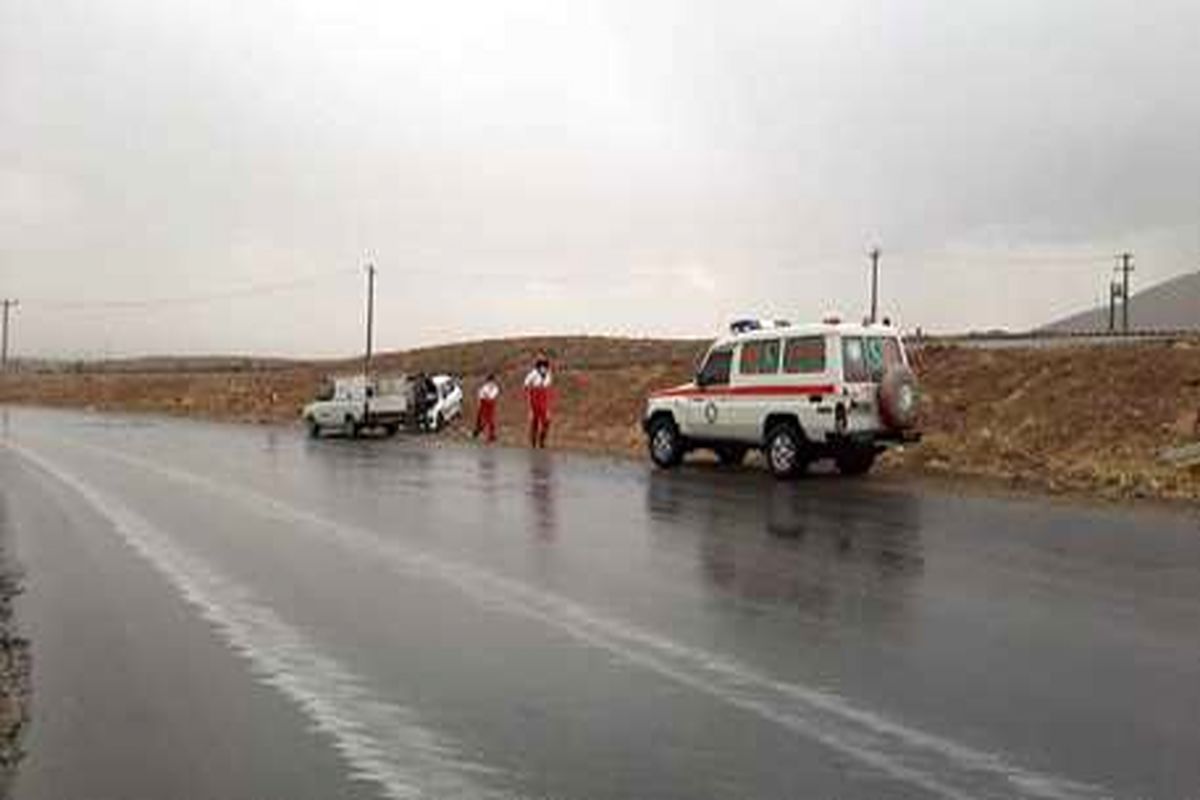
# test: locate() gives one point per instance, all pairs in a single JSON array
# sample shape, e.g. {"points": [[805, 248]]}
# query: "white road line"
{"points": [[383, 742], [938, 765]]}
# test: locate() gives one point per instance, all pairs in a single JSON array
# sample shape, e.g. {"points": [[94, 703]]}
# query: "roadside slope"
{"points": [[1091, 419], [1079, 419]]}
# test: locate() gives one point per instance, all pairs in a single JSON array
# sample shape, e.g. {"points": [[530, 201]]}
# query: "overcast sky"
{"points": [[629, 166]]}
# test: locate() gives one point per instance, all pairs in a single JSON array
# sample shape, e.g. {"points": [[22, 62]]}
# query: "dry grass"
{"points": [[1065, 419]]}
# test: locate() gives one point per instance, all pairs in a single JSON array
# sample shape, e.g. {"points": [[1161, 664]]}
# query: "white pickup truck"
{"points": [[355, 403]]}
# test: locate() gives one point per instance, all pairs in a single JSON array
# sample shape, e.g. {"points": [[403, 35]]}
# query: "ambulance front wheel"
{"points": [[665, 443]]}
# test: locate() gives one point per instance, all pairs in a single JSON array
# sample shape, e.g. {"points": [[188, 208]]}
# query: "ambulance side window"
{"points": [[715, 371], [759, 358], [804, 354]]}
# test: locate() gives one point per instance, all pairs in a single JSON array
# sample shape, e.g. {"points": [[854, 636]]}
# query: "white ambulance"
{"points": [[798, 393]]}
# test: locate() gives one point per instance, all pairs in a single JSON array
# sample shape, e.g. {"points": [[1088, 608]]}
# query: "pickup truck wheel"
{"points": [[391, 429], [784, 449], [314, 427], [731, 455], [352, 427], [855, 460], [665, 443]]}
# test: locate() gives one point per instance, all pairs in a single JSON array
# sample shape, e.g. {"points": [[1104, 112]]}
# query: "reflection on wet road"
{"points": [[220, 611]]}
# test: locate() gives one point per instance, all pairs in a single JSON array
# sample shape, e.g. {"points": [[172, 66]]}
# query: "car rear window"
{"points": [[865, 359], [804, 354], [760, 358]]}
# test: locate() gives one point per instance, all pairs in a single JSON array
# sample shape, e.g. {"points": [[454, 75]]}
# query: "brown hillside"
{"points": [[1090, 419]]}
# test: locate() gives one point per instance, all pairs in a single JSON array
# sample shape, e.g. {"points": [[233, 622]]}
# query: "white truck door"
{"points": [[708, 408], [755, 379]]}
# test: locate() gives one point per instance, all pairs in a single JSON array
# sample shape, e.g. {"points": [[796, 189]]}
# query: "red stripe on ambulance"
{"points": [[748, 391]]}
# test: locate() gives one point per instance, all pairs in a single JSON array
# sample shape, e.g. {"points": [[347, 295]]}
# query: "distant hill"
{"points": [[1171, 305]]}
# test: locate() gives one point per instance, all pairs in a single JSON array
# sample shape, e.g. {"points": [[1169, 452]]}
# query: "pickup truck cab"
{"points": [[797, 393], [356, 403]]}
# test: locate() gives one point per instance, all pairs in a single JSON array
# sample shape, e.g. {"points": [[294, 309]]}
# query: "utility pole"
{"points": [[1114, 291], [370, 318], [874, 284], [7, 305], [1125, 268]]}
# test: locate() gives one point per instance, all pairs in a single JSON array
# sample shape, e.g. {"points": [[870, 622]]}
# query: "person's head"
{"points": [[491, 378], [542, 364]]}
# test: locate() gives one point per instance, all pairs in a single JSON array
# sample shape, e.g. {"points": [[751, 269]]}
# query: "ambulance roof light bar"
{"points": [[740, 326]]}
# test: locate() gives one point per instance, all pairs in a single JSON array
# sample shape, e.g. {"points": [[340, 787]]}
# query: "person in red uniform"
{"points": [[537, 390], [485, 416]]}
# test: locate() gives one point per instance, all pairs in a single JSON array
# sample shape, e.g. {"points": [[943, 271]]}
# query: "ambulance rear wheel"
{"points": [[665, 443], [784, 450]]}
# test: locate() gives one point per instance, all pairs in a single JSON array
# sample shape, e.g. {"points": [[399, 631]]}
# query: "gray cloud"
{"points": [[648, 167]]}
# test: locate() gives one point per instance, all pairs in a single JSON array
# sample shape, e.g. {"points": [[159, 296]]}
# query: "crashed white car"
{"points": [[797, 393], [447, 404]]}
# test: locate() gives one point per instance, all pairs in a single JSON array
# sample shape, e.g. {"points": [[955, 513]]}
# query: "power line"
{"points": [[1006, 259], [670, 265], [182, 300]]}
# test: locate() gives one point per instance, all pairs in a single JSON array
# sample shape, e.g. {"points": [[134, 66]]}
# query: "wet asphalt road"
{"points": [[237, 612]]}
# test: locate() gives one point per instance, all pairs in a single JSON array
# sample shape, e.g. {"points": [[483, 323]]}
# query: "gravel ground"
{"points": [[14, 667]]}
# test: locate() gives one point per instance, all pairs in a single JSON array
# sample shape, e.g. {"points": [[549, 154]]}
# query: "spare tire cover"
{"points": [[898, 398]]}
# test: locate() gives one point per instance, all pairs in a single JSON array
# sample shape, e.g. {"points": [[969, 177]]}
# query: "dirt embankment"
{"points": [[1071, 419]]}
